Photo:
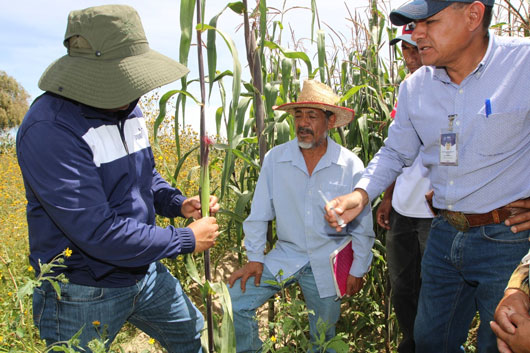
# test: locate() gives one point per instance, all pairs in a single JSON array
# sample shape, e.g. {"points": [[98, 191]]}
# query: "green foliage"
{"points": [[46, 273], [291, 325], [13, 102]]}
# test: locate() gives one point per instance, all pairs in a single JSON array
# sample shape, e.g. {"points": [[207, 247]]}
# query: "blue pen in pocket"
{"points": [[488, 107]]}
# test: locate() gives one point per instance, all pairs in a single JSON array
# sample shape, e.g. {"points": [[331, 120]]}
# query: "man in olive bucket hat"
{"points": [[294, 180], [93, 190]]}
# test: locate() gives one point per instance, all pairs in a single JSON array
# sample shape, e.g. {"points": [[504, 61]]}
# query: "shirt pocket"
{"points": [[500, 133]]}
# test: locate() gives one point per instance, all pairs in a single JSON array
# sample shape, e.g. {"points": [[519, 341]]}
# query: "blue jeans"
{"points": [[156, 305], [244, 306], [462, 273], [405, 244]]}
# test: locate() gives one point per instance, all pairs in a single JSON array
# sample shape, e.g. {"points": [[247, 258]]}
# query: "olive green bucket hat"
{"points": [[109, 63]]}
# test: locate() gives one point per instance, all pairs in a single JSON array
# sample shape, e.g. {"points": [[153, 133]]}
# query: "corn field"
{"points": [[363, 69]]}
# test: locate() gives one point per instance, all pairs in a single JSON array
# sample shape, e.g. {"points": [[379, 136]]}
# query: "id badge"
{"points": [[448, 148]]}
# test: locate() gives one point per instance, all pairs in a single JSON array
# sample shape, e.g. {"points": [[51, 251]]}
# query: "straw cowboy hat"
{"points": [[315, 94], [109, 63]]}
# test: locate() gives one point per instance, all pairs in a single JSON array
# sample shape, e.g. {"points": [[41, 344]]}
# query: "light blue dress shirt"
{"points": [[493, 150], [286, 192]]}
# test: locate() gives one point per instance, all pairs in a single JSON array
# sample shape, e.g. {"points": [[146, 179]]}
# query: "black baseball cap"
{"points": [[422, 9]]}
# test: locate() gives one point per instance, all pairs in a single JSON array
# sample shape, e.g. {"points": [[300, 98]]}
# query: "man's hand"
{"points": [[250, 269], [515, 301], [512, 322], [383, 212], [205, 231], [354, 285], [191, 207], [347, 207], [519, 341], [521, 221]]}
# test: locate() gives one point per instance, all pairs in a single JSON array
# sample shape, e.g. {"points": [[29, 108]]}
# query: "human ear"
{"points": [[474, 15], [331, 121]]}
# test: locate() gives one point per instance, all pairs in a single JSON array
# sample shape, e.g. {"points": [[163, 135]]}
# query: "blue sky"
{"points": [[31, 32]]}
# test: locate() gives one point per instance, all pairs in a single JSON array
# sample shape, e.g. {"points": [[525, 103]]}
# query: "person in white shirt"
{"points": [[404, 212]]}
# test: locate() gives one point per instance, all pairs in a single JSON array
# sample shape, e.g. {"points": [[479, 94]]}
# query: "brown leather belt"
{"points": [[464, 221]]}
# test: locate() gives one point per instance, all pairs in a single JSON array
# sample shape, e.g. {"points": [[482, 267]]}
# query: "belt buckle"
{"points": [[457, 220]]}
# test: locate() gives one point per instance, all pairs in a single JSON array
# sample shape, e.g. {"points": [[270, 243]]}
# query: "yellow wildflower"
{"points": [[10, 293], [67, 252], [96, 323], [1, 338], [151, 341], [273, 339], [30, 268]]}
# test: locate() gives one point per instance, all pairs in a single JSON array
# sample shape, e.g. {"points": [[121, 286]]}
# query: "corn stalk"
{"points": [[204, 189]]}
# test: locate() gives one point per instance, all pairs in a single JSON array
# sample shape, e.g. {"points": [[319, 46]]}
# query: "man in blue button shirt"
{"points": [[471, 93], [289, 188]]}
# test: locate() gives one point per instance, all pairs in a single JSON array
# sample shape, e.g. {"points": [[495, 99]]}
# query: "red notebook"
{"points": [[341, 260]]}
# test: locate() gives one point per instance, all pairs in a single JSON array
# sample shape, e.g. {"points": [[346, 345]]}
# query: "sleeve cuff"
{"points": [[365, 185], [187, 240], [176, 204], [255, 257], [360, 268]]}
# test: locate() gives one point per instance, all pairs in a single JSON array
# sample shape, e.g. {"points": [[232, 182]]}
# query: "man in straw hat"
{"points": [[93, 190], [295, 179], [472, 94]]}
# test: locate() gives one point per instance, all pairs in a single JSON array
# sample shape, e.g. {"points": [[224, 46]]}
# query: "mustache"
{"points": [[305, 130]]}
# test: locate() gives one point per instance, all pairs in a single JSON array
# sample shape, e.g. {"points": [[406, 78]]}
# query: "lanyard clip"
{"points": [[451, 118]]}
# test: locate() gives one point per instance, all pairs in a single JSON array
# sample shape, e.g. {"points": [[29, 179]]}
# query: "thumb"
{"points": [[195, 203], [517, 319]]}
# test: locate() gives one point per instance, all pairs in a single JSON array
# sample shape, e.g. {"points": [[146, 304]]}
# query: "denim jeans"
{"points": [[405, 244], [244, 306], [462, 273], [156, 305]]}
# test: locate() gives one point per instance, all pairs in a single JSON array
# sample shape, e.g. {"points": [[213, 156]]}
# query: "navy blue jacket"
{"points": [[92, 186]]}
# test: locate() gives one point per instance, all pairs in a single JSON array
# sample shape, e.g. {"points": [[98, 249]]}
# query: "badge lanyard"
{"points": [[448, 144]]}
